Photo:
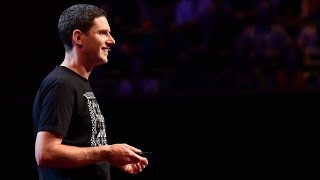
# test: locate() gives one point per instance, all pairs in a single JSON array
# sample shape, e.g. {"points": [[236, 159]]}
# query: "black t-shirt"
{"points": [[65, 104]]}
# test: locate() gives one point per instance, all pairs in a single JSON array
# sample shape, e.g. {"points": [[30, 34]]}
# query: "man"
{"points": [[70, 133]]}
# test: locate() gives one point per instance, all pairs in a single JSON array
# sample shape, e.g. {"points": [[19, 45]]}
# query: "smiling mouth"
{"points": [[106, 51]]}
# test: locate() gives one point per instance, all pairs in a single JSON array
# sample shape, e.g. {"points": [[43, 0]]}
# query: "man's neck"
{"points": [[75, 64]]}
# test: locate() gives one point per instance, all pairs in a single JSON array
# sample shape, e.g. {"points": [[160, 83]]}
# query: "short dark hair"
{"points": [[79, 16]]}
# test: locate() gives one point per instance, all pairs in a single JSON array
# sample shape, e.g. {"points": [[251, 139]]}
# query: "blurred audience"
{"points": [[205, 46]]}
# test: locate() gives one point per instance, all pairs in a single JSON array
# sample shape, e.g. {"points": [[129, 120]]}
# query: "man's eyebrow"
{"points": [[105, 30]]}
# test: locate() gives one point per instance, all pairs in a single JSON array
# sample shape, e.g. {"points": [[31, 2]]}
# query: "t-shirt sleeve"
{"points": [[57, 108]]}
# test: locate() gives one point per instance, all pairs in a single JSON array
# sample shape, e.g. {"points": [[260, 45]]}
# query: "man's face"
{"points": [[98, 41]]}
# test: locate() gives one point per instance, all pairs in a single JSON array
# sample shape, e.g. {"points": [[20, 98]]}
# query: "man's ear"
{"points": [[77, 37]]}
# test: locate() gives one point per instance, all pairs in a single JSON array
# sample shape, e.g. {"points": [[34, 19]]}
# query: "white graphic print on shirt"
{"points": [[99, 136]]}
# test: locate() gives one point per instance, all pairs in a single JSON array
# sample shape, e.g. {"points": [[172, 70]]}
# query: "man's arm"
{"points": [[50, 152]]}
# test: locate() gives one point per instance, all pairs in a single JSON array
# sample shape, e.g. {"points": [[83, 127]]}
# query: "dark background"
{"points": [[252, 134]]}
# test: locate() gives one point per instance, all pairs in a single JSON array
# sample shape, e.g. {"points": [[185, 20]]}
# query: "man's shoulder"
{"points": [[61, 74], [58, 76]]}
